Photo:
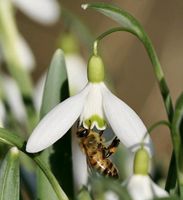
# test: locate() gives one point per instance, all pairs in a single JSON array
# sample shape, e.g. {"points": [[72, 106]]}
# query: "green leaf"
{"points": [[120, 16], [9, 176], [55, 81], [13, 139], [177, 130], [56, 90]]}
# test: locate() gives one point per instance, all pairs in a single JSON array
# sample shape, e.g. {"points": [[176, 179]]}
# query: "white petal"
{"points": [[80, 172], [110, 195], [42, 11], [14, 98], [1, 54], [142, 188], [2, 114], [93, 107], [158, 191], [125, 123], [25, 54], [56, 123], [77, 73]]}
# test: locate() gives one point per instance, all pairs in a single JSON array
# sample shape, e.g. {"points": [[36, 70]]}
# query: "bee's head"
{"points": [[82, 132]]}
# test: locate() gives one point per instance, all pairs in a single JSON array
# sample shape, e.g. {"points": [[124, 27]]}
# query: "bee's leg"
{"points": [[101, 132], [78, 124], [112, 147]]}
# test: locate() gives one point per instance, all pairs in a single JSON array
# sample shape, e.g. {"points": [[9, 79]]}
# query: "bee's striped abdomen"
{"points": [[103, 166]]}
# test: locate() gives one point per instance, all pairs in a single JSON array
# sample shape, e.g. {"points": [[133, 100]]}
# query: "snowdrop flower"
{"points": [[95, 106], [12, 45], [139, 185]]}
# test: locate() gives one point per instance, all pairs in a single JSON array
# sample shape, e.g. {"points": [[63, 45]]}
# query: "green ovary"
{"points": [[95, 118]]}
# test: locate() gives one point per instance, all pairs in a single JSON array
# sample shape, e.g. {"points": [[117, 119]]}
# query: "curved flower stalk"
{"points": [[45, 12], [95, 106], [139, 185]]}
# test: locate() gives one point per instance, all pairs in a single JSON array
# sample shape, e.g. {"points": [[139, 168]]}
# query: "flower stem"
{"points": [[155, 62], [60, 193]]}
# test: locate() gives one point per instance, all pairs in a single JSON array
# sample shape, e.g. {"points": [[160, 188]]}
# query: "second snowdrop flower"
{"points": [[95, 106], [139, 185]]}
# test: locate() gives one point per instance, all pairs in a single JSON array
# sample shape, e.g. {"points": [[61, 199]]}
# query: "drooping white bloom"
{"points": [[42, 11], [12, 44], [14, 99], [95, 106], [25, 54], [141, 187]]}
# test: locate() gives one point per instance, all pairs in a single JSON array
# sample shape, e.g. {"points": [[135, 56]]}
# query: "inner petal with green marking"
{"points": [[93, 114], [96, 121]]}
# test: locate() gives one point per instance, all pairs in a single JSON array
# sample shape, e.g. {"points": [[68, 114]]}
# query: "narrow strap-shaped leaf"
{"points": [[55, 81], [177, 129], [55, 90], [13, 139], [9, 176]]}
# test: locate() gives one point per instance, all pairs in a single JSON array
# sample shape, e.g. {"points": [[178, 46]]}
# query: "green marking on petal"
{"points": [[95, 118]]}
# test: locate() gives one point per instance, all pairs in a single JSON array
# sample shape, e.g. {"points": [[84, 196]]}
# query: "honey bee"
{"points": [[97, 153]]}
